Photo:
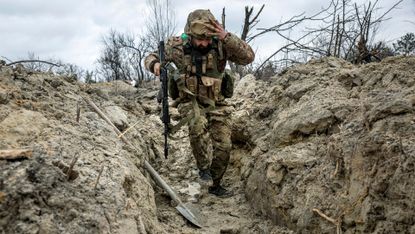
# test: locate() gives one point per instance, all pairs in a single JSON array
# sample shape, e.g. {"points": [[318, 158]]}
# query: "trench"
{"points": [[220, 215]]}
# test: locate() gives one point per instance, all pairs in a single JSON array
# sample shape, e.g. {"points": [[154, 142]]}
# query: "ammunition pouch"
{"points": [[205, 87], [227, 86]]}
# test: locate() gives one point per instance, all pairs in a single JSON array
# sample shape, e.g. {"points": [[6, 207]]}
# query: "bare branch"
{"points": [[6, 59], [387, 12], [256, 16], [408, 21], [33, 61], [248, 22], [161, 22], [271, 56]]}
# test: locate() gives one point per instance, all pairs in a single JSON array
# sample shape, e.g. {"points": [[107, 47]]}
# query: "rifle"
{"points": [[165, 97]]}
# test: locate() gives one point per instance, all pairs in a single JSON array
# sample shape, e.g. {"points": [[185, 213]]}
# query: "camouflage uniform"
{"points": [[212, 124]]}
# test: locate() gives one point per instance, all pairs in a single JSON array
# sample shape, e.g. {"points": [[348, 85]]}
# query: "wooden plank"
{"points": [[14, 154]]}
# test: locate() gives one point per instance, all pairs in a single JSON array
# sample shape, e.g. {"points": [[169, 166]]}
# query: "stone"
{"points": [[117, 116]]}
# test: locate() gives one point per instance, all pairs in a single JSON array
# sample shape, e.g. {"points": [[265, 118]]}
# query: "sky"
{"points": [[72, 31]]}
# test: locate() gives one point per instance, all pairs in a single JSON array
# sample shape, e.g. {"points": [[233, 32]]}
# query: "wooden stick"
{"points": [[78, 112], [103, 116], [68, 173], [99, 176], [336, 222], [128, 129], [16, 154], [401, 146], [331, 220]]}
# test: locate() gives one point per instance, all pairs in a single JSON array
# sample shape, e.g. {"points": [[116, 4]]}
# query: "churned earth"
{"points": [[324, 147]]}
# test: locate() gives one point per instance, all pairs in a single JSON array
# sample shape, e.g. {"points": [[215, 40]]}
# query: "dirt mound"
{"points": [[38, 112], [331, 146], [322, 147], [38, 195]]}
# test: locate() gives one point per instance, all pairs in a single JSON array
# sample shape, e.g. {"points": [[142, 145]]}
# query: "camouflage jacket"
{"points": [[232, 47]]}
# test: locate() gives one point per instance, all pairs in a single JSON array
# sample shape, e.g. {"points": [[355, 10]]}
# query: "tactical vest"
{"points": [[202, 79], [203, 75], [211, 64]]}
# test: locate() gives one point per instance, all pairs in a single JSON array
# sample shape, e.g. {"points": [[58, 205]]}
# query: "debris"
{"points": [[69, 172], [16, 154], [331, 220], [70, 176], [78, 111]]}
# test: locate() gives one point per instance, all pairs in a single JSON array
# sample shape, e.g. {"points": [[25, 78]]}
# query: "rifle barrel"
{"points": [[165, 100]]}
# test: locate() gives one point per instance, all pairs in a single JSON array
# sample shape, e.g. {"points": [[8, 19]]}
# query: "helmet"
{"points": [[199, 24]]}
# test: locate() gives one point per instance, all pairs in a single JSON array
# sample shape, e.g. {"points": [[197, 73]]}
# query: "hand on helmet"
{"points": [[217, 30]]}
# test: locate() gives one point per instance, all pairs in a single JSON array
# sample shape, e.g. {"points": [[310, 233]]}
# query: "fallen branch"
{"points": [[33, 61], [15, 154]]}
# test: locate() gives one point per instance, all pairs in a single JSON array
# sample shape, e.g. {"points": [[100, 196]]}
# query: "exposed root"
{"points": [[336, 170], [337, 222], [99, 176], [347, 210]]}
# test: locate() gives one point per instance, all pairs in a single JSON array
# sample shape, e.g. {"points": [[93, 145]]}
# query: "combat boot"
{"points": [[205, 175]]}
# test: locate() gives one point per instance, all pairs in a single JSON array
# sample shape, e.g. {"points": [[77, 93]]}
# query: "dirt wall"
{"points": [[37, 195], [331, 139]]}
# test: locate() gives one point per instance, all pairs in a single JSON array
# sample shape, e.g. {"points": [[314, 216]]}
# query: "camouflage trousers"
{"points": [[210, 139]]}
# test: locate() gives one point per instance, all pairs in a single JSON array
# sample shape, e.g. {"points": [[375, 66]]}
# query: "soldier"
{"points": [[201, 86]]}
